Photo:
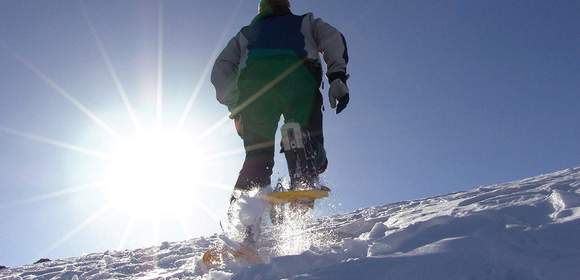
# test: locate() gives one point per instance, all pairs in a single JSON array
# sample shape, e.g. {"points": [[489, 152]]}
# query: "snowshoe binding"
{"points": [[304, 165]]}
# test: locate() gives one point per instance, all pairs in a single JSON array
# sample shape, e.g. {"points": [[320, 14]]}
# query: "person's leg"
{"points": [[258, 124], [315, 128], [305, 108], [259, 160], [258, 130]]}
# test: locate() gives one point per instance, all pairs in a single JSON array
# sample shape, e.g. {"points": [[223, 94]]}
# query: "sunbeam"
{"points": [[88, 221], [207, 69], [63, 93], [156, 222], [266, 88], [209, 184], [250, 100], [110, 68], [159, 99], [214, 127], [224, 154], [126, 233], [55, 143], [200, 205], [185, 228], [239, 151], [47, 196], [196, 91]]}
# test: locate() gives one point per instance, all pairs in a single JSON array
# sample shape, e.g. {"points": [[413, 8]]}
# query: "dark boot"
{"points": [[305, 159]]}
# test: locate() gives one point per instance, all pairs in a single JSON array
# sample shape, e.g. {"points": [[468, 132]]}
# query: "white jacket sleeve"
{"points": [[225, 73], [332, 44]]}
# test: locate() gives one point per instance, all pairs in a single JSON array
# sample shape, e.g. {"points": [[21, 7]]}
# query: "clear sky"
{"points": [[445, 96]]}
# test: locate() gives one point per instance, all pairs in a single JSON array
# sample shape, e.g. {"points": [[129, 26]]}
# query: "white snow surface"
{"points": [[528, 229]]}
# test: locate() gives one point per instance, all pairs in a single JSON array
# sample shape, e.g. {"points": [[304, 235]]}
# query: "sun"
{"points": [[154, 172], [157, 174]]}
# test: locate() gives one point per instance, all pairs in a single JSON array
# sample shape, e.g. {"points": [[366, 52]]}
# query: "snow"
{"points": [[526, 229]]}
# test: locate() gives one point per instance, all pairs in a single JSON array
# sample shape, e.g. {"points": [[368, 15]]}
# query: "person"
{"points": [[272, 68]]}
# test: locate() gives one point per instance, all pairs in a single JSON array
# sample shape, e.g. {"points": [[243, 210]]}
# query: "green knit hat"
{"points": [[274, 7]]}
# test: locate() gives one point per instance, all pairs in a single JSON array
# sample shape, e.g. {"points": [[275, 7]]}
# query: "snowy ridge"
{"points": [[526, 229]]}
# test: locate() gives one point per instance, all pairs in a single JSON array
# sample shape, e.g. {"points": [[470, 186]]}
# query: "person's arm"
{"points": [[224, 75], [332, 44]]}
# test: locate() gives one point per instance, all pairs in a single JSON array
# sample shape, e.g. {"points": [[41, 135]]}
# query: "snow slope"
{"points": [[528, 229]]}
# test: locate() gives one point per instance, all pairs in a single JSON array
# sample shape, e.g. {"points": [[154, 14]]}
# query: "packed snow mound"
{"points": [[526, 229]]}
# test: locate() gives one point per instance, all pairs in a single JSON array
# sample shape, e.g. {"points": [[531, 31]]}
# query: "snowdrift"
{"points": [[528, 229]]}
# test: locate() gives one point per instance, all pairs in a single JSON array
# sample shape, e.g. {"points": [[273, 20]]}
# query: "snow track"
{"points": [[524, 230]]}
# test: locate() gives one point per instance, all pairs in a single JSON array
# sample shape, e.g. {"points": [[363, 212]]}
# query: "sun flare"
{"points": [[154, 172], [157, 174]]}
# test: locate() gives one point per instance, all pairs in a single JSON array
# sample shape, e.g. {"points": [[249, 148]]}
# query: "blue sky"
{"points": [[445, 96]]}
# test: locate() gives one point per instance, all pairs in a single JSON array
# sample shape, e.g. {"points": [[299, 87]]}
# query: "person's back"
{"points": [[275, 36], [272, 68], [277, 77]]}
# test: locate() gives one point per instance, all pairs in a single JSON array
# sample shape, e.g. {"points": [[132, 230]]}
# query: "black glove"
{"points": [[338, 95], [342, 102]]}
